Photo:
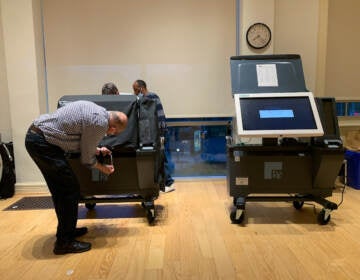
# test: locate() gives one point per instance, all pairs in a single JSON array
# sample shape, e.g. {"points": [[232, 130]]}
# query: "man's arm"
{"points": [[90, 138]]}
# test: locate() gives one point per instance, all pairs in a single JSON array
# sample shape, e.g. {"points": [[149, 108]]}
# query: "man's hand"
{"points": [[105, 168], [103, 150]]}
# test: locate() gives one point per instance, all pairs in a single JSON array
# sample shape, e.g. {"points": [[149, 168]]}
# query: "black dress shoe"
{"points": [[80, 231], [73, 246]]}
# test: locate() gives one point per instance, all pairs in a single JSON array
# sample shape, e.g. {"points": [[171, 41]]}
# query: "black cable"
{"points": [[342, 195], [345, 181]]}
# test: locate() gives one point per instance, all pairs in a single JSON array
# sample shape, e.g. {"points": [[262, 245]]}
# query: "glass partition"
{"points": [[348, 108], [196, 147]]}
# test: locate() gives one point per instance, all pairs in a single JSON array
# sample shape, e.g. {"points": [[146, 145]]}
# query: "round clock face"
{"points": [[258, 35]]}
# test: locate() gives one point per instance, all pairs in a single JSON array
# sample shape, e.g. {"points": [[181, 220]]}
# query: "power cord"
{"points": [[342, 194], [345, 182]]}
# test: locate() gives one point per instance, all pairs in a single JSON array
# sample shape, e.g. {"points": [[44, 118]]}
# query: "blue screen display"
{"points": [[264, 114]]}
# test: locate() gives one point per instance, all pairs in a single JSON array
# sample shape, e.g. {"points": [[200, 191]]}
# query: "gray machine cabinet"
{"points": [[137, 166], [286, 173], [133, 176], [303, 170], [256, 170]]}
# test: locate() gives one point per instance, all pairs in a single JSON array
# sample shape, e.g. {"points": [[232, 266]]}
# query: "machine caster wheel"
{"points": [[90, 205], [237, 216], [298, 204], [150, 215], [324, 216], [234, 201]]}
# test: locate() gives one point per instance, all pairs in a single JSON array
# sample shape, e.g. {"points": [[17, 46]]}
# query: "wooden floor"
{"points": [[193, 238]]}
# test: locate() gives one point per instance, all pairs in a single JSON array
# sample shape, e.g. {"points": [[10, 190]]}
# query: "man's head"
{"points": [[139, 86], [117, 123], [109, 89]]}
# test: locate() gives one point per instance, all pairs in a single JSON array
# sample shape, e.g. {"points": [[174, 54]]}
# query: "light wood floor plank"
{"points": [[193, 238]]}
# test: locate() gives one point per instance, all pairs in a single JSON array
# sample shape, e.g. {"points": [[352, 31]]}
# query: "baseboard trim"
{"points": [[34, 187]]}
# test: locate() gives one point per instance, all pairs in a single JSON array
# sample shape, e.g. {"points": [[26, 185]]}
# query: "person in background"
{"points": [[76, 127], [109, 89], [140, 89]]}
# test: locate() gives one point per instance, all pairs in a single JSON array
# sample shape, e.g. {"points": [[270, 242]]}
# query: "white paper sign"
{"points": [[267, 75]]}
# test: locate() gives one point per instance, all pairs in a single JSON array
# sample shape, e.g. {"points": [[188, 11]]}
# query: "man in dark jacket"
{"points": [[140, 89]]}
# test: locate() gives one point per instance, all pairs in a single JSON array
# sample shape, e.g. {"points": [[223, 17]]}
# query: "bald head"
{"points": [[117, 122]]}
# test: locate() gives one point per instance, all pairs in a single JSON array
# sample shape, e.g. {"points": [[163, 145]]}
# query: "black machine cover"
{"points": [[142, 130]]}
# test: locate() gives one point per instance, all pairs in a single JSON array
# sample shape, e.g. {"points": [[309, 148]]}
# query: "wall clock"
{"points": [[258, 35]]}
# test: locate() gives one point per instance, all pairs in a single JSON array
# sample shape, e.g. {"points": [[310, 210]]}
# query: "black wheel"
{"points": [[298, 204], [7, 170], [234, 201], [321, 217], [150, 215], [90, 205], [234, 219]]}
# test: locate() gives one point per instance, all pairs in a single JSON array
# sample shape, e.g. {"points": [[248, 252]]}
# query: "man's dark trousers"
{"points": [[61, 181]]}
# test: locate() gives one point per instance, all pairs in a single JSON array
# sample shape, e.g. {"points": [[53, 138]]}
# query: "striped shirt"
{"points": [[77, 127]]}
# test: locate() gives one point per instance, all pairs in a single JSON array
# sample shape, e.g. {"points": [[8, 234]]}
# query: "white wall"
{"points": [[5, 124], [294, 25], [22, 66], [256, 11], [180, 48], [296, 31], [343, 61]]}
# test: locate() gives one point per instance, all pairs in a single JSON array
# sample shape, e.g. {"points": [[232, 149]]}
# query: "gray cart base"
{"points": [[132, 181], [296, 174]]}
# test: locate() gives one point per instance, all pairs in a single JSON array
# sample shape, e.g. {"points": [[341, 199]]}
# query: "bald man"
{"points": [[78, 127]]}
